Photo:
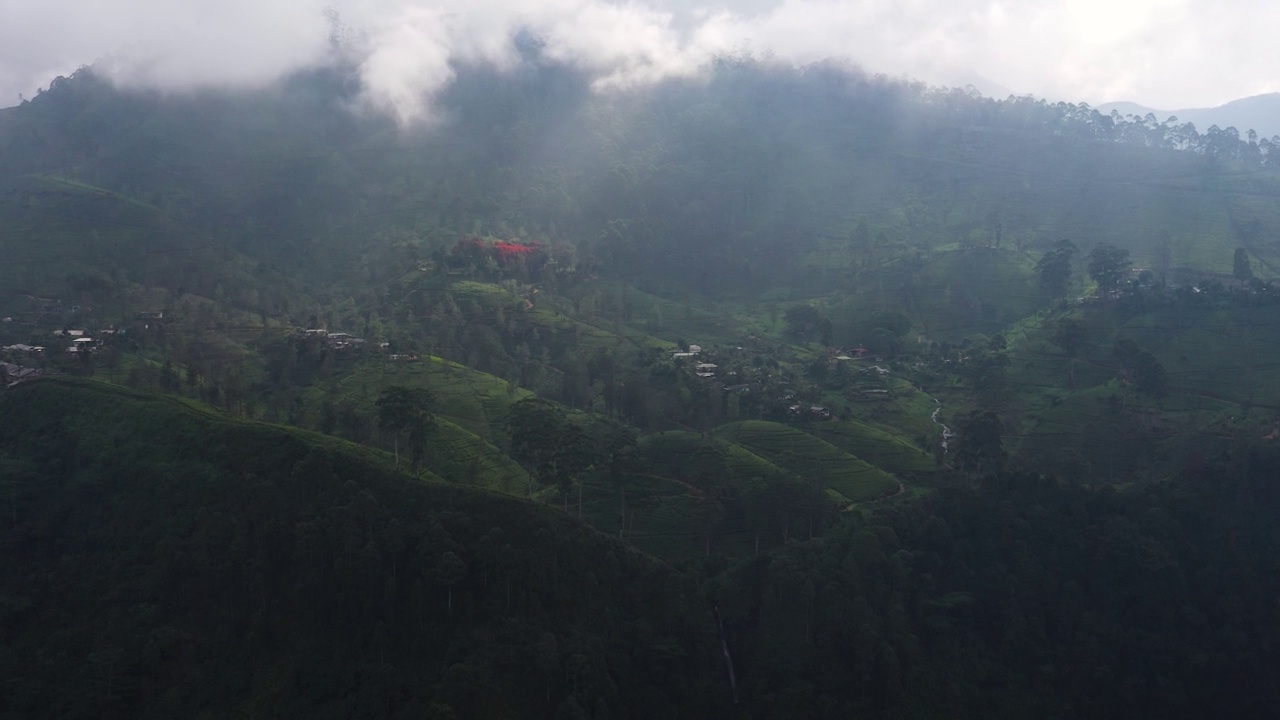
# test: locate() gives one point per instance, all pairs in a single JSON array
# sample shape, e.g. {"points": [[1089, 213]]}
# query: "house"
{"points": [[695, 348], [12, 374], [340, 340], [683, 354], [706, 366], [83, 344], [817, 412], [23, 348], [706, 374], [150, 315], [858, 352]]}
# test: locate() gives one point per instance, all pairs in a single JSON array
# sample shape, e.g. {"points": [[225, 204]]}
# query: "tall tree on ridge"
{"points": [[405, 410]]}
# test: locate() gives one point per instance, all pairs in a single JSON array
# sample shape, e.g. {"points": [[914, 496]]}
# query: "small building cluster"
{"points": [[11, 374], [83, 341], [335, 340], [25, 349]]}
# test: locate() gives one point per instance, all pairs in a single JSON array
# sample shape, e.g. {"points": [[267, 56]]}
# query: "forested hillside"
{"points": [[163, 561], [167, 561], [897, 400]]}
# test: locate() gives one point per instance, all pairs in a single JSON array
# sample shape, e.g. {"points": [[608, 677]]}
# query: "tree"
{"points": [[978, 446], [805, 322], [1149, 376], [1108, 266], [1054, 268], [1071, 335], [408, 411], [551, 446], [986, 375], [451, 571], [884, 331], [1241, 269], [1141, 368]]}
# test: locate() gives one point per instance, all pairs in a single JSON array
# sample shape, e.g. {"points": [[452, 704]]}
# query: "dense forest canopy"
{"points": [[772, 391]]}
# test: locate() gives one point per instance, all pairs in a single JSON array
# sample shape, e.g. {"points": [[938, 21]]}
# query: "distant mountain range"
{"points": [[1260, 112]]}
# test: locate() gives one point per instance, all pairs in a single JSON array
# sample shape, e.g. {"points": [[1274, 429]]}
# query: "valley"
{"points": [[916, 403]]}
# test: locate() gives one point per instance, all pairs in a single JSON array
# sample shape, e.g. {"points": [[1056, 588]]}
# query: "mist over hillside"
{"points": [[752, 389]]}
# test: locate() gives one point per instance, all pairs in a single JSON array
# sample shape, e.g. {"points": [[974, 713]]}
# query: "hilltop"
{"points": [[1259, 113], [194, 565]]}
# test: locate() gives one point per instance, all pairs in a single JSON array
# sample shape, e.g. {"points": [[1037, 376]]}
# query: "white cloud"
{"points": [[1165, 53]]}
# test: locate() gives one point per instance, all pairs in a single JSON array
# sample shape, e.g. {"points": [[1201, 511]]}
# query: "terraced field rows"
{"points": [[461, 456], [473, 399], [818, 461], [876, 446]]}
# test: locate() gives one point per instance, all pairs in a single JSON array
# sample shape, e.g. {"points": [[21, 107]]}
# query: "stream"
{"points": [[947, 432], [728, 660]]}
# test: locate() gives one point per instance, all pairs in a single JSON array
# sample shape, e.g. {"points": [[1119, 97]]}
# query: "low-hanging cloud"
{"points": [[409, 49], [1165, 53]]}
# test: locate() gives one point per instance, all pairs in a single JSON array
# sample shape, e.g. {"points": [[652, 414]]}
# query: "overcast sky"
{"points": [[1167, 54]]}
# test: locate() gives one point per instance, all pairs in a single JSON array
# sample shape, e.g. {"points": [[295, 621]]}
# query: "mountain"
{"points": [[1260, 113], [770, 392]]}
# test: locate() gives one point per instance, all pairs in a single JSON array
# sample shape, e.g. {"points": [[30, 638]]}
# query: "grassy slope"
{"points": [[1078, 408], [883, 449], [690, 457], [55, 227], [472, 399], [821, 463], [670, 501], [471, 405], [168, 561]]}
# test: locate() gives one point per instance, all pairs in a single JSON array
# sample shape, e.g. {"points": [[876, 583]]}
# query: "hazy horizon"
{"points": [[1154, 53]]}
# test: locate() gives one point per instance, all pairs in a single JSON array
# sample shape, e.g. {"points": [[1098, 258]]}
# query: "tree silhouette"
{"points": [[1108, 265], [407, 411], [978, 446], [1241, 269], [1054, 268]]}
